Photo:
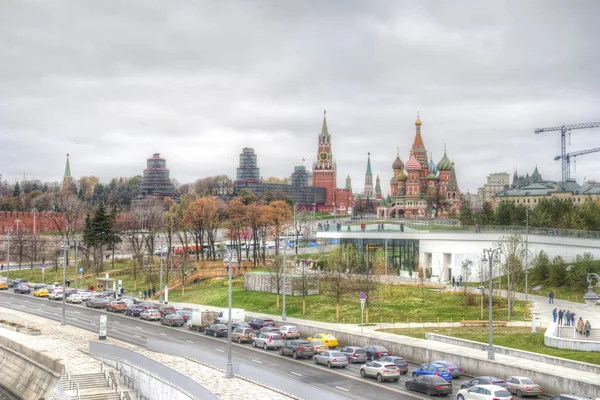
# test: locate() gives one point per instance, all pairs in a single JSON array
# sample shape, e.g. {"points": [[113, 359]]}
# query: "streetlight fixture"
{"points": [[591, 298], [65, 249], [160, 289], [229, 260], [283, 314], [490, 256], [526, 253]]}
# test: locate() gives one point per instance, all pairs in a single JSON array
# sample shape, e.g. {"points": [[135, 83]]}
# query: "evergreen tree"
{"points": [[504, 213], [466, 216], [541, 267], [557, 271], [16, 190]]}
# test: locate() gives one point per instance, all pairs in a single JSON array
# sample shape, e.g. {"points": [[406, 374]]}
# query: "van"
{"points": [[237, 315]]}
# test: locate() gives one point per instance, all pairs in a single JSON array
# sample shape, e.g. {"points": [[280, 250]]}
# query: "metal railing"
{"points": [[72, 384]]}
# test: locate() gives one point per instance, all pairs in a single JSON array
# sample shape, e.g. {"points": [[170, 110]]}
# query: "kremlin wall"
{"points": [[44, 222]]}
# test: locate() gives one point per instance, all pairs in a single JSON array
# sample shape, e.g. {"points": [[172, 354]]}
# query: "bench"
{"points": [[483, 323]]}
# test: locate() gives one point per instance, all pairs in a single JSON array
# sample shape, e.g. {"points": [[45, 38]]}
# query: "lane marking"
{"points": [[341, 388], [138, 327], [256, 361], [162, 334], [222, 351], [137, 336], [295, 373], [77, 312], [114, 329], [189, 341]]}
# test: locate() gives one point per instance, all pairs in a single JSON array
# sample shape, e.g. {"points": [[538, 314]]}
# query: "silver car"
{"points": [[150, 314], [331, 359], [85, 294], [355, 354], [270, 340], [289, 332], [383, 371]]}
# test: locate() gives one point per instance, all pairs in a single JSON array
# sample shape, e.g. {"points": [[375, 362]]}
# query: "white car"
{"points": [[55, 295], [484, 392], [74, 298], [85, 294]]}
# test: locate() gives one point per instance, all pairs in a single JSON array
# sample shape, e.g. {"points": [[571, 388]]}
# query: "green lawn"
{"points": [[395, 304], [519, 338]]}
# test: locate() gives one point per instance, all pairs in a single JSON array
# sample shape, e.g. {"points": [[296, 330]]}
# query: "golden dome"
{"points": [[418, 121]]}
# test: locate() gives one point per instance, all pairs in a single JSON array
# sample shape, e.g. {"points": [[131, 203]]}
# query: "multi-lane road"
{"points": [[343, 382]]}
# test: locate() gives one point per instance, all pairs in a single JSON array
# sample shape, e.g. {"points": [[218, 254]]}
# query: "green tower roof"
{"points": [[67, 168], [369, 164], [324, 130], [348, 182]]}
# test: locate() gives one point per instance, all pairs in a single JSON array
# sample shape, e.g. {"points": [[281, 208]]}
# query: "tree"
{"points": [[37, 247], [466, 216], [237, 221], [255, 214], [16, 190], [20, 246], [305, 282], [558, 274], [275, 271], [337, 280], [367, 280], [300, 225], [247, 196], [486, 215], [279, 214], [504, 213], [68, 215], [200, 215], [97, 233], [513, 250], [466, 269], [577, 275], [541, 267]]}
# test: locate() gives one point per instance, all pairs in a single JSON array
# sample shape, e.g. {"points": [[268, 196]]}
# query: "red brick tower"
{"points": [[324, 168], [418, 149]]}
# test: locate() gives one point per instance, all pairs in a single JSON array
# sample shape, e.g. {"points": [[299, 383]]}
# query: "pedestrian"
{"points": [[149, 291], [348, 228], [554, 315], [587, 328], [153, 290], [560, 317], [2, 268], [460, 280], [92, 288], [580, 326], [551, 297], [453, 280], [140, 295], [145, 294], [568, 318], [572, 319], [122, 291]]}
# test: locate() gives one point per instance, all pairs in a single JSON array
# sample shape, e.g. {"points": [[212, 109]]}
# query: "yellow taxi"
{"points": [[3, 285], [42, 292], [326, 338]]}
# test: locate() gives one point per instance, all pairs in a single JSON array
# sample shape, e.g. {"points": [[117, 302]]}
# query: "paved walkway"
{"points": [[70, 345]]}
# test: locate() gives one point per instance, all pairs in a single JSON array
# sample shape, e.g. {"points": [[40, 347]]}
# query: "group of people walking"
{"points": [[567, 318], [148, 293], [457, 282]]}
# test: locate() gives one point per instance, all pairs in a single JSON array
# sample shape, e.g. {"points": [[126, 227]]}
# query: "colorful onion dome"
{"points": [[445, 164], [401, 177], [398, 164], [413, 163], [432, 177]]}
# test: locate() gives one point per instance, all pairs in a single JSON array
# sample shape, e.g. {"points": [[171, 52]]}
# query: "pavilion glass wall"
{"points": [[402, 254]]}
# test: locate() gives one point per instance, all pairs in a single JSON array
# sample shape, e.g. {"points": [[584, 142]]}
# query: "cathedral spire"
{"points": [[418, 145], [369, 164], [67, 168], [324, 130]]}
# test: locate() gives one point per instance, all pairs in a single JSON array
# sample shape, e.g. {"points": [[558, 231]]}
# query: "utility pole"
{"points": [[34, 211], [8, 255], [283, 313], [65, 248], [526, 253], [160, 290]]}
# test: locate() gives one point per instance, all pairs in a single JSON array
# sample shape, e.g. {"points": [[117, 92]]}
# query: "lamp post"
{"points": [[283, 314], [34, 211], [591, 298], [229, 261], [490, 255], [65, 249], [76, 242], [160, 289], [526, 252]]}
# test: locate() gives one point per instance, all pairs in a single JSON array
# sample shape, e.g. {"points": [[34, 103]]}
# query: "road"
{"points": [[343, 382]]}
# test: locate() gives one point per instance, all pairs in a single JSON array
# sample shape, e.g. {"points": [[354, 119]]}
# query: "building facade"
{"points": [[156, 181], [530, 195], [496, 183]]}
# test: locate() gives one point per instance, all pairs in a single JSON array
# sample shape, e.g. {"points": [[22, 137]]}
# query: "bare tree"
{"points": [[68, 215], [466, 269], [513, 250], [300, 223], [132, 234], [36, 249], [337, 278], [275, 271], [367, 280], [305, 282]]}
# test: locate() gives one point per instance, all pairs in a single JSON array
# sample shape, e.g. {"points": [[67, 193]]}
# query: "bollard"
{"points": [[381, 320], [438, 322]]}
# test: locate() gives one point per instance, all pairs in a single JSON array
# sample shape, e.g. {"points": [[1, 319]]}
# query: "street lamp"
{"points": [[76, 243], [526, 253], [229, 260], [591, 298], [283, 314], [8, 255], [491, 256], [160, 289], [65, 249], [34, 210]]}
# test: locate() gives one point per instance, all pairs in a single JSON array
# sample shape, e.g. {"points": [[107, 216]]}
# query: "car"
{"points": [[19, 281], [484, 380], [74, 298], [173, 319], [3, 285], [523, 386], [454, 369], [164, 310], [331, 359], [289, 332], [319, 347], [242, 334], [116, 306], [147, 305], [22, 288], [374, 351], [268, 341], [484, 392], [572, 397], [430, 384], [326, 338], [241, 325], [399, 361], [217, 330], [150, 314], [40, 286], [383, 371], [261, 322], [41, 292], [355, 354], [134, 310], [128, 299], [96, 302], [433, 369], [185, 314], [56, 294], [267, 329], [297, 348]]}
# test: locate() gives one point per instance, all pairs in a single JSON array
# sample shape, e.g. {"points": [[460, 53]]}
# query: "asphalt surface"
{"points": [[343, 382]]}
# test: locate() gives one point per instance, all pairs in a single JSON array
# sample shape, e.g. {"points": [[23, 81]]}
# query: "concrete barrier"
{"points": [[26, 373], [552, 339], [563, 362]]}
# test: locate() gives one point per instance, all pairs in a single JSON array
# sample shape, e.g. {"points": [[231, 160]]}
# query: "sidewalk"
{"points": [[70, 345]]}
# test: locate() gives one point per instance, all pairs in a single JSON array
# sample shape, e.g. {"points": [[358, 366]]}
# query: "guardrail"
{"points": [[72, 384]]}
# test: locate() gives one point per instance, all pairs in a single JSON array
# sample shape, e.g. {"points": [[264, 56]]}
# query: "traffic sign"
{"points": [[81, 270], [362, 305], [363, 295], [363, 300]]}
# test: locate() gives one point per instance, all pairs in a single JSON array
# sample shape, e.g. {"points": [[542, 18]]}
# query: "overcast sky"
{"points": [[111, 82]]}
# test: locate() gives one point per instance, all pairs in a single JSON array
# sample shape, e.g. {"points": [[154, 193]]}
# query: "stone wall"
{"points": [[552, 339], [263, 282], [44, 222]]}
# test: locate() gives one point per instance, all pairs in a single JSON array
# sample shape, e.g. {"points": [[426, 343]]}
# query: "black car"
{"points": [[399, 361], [216, 330], [430, 384], [40, 286], [376, 351], [134, 310], [19, 281], [172, 320], [484, 380], [258, 323], [22, 288]]}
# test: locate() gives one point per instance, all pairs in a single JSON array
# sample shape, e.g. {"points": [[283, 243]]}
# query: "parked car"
{"points": [[150, 314], [22, 288], [383, 371], [331, 359], [241, 325], [484, 392], [484, 380], [3, 285], [522, 386], [116, 306], [355, 354], [134, 310], [258, 323], [433, 369], [319, 347], [297, 348], [242, 334], [268, 341], [10, 282], [55, 295], [96, 302], [216, 330], [41, 292], [40, 286], [127, 299], [375, 351], [173, 319], [267, 329], [74, 298], [430, 384], [147, 305], [289, 332], [185, 314], [454, 369], [164, 310], [326, 338], [19, 281], [85, 294], [399, 361]]}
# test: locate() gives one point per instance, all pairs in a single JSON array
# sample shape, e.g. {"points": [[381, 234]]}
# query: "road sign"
{"points": [[43, 267], [81, 270], [363, 295], [362, 305], [363, 301]]}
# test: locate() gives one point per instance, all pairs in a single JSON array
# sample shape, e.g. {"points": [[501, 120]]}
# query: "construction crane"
{"points": [[575, 154], [563, 143]]}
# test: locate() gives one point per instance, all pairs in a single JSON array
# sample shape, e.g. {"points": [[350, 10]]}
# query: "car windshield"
{"points": [[442, 369], [391, 366], [359, 351], [337, 354], [501, 393], [399, 360], [527, 381], [276, 337]]}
